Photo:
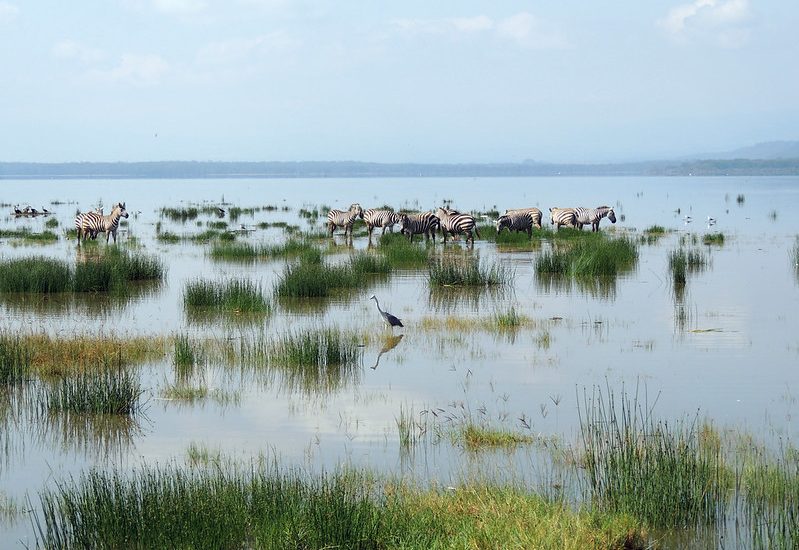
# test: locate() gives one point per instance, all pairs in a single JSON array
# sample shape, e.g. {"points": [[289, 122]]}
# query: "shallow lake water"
{"points": [[726, 350]]}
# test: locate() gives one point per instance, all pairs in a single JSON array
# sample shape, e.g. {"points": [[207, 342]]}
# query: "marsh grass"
{"points": [[15, 360], [232, 296], [310, 278], [28, 236], [682, 262], [241, 251], [466, 272], [107, 390], [642, 467], [400, 252], [477, 437], [594, 257], [186, 356], [181, 215], [221, 506], [510, 320], [52, 223], [35, 274], [110, 271], [714, 239]]}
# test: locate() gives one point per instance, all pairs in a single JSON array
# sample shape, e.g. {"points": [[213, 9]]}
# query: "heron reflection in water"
{"points": [[388, 344]]}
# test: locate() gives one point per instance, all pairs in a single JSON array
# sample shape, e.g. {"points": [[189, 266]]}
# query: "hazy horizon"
{"points": [[466, 82]]}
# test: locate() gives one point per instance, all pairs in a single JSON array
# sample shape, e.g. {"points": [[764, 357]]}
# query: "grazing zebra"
{"points": [[516, 221], [454, 222], [94, 222], [416, 224], [562, 216], [338, 218], [79, 224], [535, 214], [593, 215], [375, 217]]}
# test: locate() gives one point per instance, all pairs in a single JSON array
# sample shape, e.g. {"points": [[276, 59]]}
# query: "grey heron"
{"points": [[390, 320]]}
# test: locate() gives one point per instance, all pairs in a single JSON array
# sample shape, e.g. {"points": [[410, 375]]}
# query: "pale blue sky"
{"points": [[411, 81]]}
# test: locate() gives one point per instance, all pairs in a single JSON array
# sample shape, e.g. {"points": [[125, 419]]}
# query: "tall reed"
{"points": [[467, 272], [35, 274], [110, 390], [15, 360], [653, 470], [232, 296]]}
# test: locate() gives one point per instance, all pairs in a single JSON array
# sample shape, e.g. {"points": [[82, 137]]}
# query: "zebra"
{"points": [[535, 214], [562, 216], [454, 222], [375, 217], [520, 220], [94, 222], [416, 224], [593, 216], [79, 224], [338, 218]]}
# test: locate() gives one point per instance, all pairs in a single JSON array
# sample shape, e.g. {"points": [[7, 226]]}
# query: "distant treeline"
{"points": [[318, 169]]}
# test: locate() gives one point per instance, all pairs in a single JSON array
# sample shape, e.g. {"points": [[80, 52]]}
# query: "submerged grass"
{"points": [[36, 274], [401, 252], [310, 278], [714, 238], [476, 437], [15, 360], [242, 251], [224, 507], [682, 262]]}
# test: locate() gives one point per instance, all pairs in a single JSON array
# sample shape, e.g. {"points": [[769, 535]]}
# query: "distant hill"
{"points": [[767, 150]]}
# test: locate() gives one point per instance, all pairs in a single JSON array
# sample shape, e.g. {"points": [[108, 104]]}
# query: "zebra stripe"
{"points": [[79, 223], [417, 224], [593, 216], [517, 221], [453, 222], [562, 216], [94, 222], [535, 214], [380, 218], [339, 218]]}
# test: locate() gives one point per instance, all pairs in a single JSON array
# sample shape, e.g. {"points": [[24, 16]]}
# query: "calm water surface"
{"points": [[727, 350]]}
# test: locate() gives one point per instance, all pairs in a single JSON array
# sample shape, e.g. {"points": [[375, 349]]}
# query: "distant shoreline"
{"points": [[353, 169]]}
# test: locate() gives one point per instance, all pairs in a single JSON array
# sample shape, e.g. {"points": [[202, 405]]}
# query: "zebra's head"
{"points": [[503, 221], [552, 215], [612, 216], [121, 207], [441, 213], [403, 220], [356, 208]]}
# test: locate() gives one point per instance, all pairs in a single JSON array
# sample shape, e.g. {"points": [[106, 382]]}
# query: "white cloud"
{"points": [[70, 49], [139, 70], [180, 7], [242, 48], [722, 21], [522, 28], [8, 12]]}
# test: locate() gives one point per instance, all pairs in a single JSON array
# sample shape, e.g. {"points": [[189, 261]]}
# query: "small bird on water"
{"points": [[390, 320]]}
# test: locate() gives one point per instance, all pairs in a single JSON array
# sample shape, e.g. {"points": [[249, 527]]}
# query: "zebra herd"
{"points": [[454, 223], [90, 224]]}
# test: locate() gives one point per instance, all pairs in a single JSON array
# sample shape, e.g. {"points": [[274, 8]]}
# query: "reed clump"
{"points": [[466, 272], [242, 251], [221, 506], [35, 274], [713, 238], [642, 467], [309, 278], [15, 360], [108, 390], [400, 252], [595, 257], [232, 296], [476, 437]]}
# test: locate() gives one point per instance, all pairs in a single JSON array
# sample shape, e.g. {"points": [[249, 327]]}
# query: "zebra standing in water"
{"points": [[516, 221], [416, 224], [454, 222], [94, 222], [593, 216], [79, 224], [535, 214], [338, 218], [375, 217], [562, 216]]}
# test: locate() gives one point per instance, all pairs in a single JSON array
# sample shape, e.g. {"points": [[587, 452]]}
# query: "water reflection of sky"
{"points": [[725, 346]]}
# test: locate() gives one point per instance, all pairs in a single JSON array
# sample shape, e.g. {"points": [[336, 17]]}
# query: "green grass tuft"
{"points": [[233, 296]]}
